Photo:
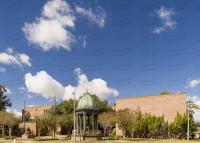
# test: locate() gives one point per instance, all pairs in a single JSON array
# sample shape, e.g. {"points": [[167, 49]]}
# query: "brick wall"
{"points": [[168, 104], [30, 112]]}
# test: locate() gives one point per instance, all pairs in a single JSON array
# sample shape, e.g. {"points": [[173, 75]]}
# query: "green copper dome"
{"points": [[86, 102]]}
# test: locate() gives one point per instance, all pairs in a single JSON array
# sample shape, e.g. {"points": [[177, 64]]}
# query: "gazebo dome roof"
{"points": [[86, 102]]}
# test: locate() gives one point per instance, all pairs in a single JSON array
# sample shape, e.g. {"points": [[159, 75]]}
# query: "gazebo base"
{"points": [[88, 137]]}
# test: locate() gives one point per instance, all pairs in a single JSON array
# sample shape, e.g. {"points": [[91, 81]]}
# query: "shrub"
{"points": [[12, 137], [118, 136], [6, 137], [58, 133], [45, 139]]}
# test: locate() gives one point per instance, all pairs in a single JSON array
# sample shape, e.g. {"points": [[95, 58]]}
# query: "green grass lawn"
{"points": [[111, 140]]}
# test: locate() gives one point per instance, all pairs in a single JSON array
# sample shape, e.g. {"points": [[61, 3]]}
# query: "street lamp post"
{"points": [[188, 126], [24, 117], [74, 117]]}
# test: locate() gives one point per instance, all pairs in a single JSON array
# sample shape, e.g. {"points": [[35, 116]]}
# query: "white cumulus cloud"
{"points": [[193, 83], [49, 31], [9, 50], [14, 58], [22, 88], [95, 86], [2, 70], [164, 15], [46, 86], [18, 114], [29, 96], [97, 16], [52, 29], [8, 91]]}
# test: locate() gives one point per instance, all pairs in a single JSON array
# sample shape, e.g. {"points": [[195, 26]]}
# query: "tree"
{"points": [[197, 124], [67, 121], [3, 101], [11, 121], [65, 107], [190, 104], [107, 119], [164, 92], [122, 120], [3, 116], [157, 122], [133, 118], [180, 123], [149, 123], [40, 122], [50, 122]]}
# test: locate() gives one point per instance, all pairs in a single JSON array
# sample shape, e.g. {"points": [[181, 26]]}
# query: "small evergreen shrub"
{"points": [[6, 137], [12, 137]]}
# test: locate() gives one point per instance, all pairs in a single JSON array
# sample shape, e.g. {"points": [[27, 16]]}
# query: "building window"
{"points": [[44, 112]]}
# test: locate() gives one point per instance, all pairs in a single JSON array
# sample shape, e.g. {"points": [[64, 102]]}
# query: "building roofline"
{"points": [[39, 106], [151, 95]]}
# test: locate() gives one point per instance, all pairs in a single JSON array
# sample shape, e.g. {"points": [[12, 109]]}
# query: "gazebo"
{"points": [[87, 108]]}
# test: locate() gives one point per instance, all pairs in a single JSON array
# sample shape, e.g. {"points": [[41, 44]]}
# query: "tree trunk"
{"points": [[10, 129], [39, 132], [132, 135], [109, 132], [123, 132], [3, 131]]}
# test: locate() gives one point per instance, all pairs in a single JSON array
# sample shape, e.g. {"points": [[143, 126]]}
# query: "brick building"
{"points": [[30, 112], [168, 104]]}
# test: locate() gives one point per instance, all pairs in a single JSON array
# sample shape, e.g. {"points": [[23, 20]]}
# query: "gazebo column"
{"points": [[81, 123], [84, 123], [97, 123], [93, 123], [77, 123]]}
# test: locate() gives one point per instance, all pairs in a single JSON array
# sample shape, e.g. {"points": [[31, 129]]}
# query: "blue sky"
{"points": [[115, 50]]}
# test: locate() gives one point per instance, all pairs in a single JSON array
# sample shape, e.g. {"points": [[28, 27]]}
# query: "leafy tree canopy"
{"points": [[102, 105], [67, 106], [164, 92], [3, 101], [149, 123], [64, 107], [180, 123], [190, 104], [197, 124]]}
